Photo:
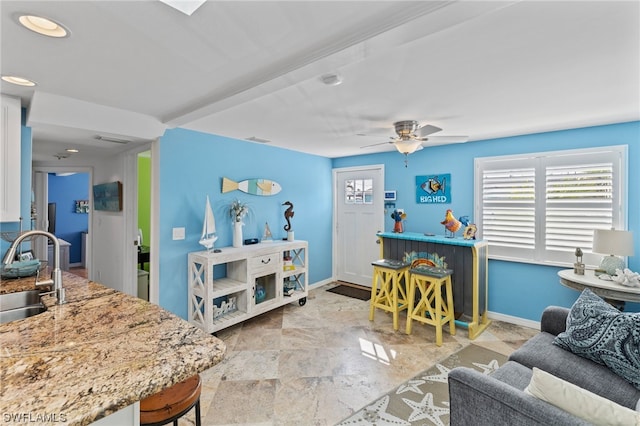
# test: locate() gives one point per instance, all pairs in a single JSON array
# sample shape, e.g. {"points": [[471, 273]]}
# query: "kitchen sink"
{"points": [[21, 313], [20, 305]]}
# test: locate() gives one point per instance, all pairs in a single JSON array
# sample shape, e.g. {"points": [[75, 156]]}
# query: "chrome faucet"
{"points": [[56, 273]]}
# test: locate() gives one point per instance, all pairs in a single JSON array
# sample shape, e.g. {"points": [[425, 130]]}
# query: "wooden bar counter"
{"points": [[467, 258]]}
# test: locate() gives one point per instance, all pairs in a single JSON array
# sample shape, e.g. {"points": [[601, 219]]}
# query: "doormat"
{"points": [[350, 291]]}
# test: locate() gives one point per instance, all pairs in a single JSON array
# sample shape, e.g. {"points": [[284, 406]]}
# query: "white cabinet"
{"points": [[238, 283], [10, 182]]}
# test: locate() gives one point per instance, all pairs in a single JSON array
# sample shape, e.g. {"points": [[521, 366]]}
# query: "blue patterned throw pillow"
{"points": [[599, 332]]}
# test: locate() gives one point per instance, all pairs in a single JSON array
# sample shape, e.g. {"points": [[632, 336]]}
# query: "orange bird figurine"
{"points": [[451, 224]]}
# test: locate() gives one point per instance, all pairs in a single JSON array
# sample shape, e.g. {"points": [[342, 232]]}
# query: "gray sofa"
{"points": [[498, 399]]}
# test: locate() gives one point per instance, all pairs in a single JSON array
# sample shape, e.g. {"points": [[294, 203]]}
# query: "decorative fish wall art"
{"points": [[262, 187]]}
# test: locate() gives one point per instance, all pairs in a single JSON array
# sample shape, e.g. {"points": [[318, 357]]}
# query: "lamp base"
{"points": [[610, 263]]}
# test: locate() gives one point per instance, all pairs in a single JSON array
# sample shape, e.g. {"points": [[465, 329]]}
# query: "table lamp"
{"points": [[614, 243]]}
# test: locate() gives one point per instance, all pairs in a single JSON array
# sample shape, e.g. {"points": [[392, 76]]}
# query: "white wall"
{"points": [[108, 230], [106, 261]]}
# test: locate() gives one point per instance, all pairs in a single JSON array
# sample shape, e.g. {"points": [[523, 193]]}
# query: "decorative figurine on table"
{"points": [[266, 236], [578, 267], [626, 277], [451, 224], [398, 216], [470, 229], [288, 214]]}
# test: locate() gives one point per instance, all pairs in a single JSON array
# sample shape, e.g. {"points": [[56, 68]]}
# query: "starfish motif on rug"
{"points": [[425, 409], [411, 386], [440, 377], [488, 368], [375, 414]]}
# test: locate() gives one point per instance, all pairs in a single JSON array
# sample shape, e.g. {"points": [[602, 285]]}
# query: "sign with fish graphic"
{"points": [[434, 189], [262, 187]]}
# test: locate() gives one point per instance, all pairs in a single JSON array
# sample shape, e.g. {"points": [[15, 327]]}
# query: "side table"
{"points": [[613, 292]]}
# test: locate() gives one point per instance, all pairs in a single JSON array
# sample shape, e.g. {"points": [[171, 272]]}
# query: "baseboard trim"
{"points": [[321, 283], [514, 320]]}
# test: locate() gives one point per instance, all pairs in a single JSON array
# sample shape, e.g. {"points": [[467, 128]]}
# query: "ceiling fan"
{"points": [[411, 135]]}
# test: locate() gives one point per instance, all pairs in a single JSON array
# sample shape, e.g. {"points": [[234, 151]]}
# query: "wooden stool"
{"points": [[431, 308], [391, 295], [172, 403]]}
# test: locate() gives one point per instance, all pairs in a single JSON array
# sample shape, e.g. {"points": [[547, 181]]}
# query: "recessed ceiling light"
{"points": [[13, 79], [72, 150], [44, 26]]}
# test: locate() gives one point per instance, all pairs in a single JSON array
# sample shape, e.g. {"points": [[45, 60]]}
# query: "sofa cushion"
{"points": [[579, 402], [539, 351], [599, 332], [513, 374]]}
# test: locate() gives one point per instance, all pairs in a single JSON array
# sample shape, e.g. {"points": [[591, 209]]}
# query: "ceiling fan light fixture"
{"points": [[43, 26], [408, 146], [406, 128]]}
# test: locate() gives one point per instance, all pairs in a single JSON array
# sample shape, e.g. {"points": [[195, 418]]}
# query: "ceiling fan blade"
{"points": [[448, 139], [375, 144], [428, 130]]}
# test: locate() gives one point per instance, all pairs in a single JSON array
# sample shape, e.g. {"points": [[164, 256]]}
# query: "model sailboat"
{"points": [[208, 237], [267, 237]]}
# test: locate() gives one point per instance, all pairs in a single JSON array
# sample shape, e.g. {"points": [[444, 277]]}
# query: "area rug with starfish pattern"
{"points": [[424, 399]]}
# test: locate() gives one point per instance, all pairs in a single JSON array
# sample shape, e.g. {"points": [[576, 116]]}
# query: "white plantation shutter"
{"points": [[540, 207], [508, 214]]}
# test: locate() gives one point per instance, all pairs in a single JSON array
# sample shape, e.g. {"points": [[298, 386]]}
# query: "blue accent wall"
{"points": [[518, 289], [64, 191], [192, 166]]}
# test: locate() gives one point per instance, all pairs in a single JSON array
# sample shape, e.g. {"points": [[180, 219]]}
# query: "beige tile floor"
{"points": [[317, 364]]}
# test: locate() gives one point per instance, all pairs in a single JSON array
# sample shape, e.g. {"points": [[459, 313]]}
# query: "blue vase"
{"points": [[261, 294]]}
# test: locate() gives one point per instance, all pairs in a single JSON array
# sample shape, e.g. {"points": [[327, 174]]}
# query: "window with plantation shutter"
{"points": [[539, 207]]}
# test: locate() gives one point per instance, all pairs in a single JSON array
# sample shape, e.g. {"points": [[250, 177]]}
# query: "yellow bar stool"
{"points": [[431, 308], [388, 290]]}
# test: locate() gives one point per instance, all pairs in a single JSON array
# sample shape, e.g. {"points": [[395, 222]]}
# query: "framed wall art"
{"points": [[108, 196], [433, 189]]}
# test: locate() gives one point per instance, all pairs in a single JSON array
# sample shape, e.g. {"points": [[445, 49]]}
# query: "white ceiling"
{"points": [[131, 69]]}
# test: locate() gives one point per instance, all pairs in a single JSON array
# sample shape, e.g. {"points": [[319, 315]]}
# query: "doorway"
{"points": [[62, 206], [359, 215], [144, 224], [140, 217]]}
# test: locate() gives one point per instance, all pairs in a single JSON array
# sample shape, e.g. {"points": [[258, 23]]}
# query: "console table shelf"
{"points": [[248, 280]]}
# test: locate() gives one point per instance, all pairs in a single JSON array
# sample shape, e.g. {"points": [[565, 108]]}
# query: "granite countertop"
{"points": [[100, 352]]}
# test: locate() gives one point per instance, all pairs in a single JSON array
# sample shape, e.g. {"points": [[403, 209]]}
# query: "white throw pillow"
{"points": [[579, 402]]}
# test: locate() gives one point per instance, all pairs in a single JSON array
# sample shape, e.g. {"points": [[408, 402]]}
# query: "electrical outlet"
{"points": [[178, 233]]}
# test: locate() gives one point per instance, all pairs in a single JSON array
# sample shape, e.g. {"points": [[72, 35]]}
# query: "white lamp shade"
{"points": [[407, 146], [610, 241]]}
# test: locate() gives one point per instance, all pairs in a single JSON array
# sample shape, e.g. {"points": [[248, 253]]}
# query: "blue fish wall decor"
{"points": [[262, 187]]}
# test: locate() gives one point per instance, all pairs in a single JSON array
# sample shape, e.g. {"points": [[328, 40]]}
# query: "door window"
{"points": [[358, 191]]}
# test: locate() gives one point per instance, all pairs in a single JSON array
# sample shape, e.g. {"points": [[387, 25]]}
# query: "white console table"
{"points": [[605, 289], [236, 284]]}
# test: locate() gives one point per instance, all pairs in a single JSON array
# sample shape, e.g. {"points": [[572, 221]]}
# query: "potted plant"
{"points": [[237, 211]]}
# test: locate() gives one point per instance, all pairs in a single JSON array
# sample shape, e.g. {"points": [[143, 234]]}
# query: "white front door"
{"points": [[359, 215]]}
